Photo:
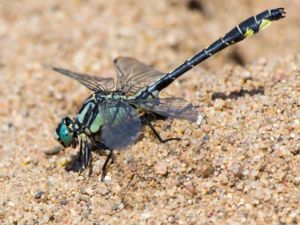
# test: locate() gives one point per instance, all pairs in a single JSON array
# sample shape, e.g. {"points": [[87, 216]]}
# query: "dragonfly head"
{"points": [[65, 134]]}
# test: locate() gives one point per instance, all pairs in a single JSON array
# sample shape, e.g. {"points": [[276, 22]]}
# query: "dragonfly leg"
{"points": [[157, 134], [85, 154], [110, 156]]}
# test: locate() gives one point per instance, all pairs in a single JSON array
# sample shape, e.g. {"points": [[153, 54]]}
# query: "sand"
{"points": [[239, 166]]}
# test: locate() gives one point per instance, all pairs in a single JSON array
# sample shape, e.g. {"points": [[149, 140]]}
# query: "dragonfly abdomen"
{"points": [[251, 26], [245, 29]]}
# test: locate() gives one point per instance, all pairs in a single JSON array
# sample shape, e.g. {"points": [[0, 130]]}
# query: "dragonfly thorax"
{"points": [[105, 113]]}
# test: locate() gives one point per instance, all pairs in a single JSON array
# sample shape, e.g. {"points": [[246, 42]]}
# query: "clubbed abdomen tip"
{"points": [[278, 13]]}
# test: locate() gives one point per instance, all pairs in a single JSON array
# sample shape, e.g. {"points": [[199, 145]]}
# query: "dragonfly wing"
{"points": [[92, 82], [122, 125], [134, 75], [169, 107]]}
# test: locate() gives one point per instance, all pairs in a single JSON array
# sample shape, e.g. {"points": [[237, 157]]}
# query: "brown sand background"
{"points": [[241, 166]]}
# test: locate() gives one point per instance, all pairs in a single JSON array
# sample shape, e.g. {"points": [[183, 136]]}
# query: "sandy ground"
{"points": [[240, 166]]}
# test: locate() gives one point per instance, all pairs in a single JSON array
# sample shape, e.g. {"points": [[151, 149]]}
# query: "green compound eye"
{"points": [[65, 135]]}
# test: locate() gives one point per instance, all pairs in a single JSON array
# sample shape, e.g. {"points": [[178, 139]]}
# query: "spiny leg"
{"points": [[100, 145], [157, 134], [85, 154], [110, 156]]}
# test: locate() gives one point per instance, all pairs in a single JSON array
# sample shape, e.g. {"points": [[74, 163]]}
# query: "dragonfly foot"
{"points": [[110, 156], [170, 139]]}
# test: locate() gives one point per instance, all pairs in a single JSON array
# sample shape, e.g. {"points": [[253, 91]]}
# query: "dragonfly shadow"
{"points": [[200, 6], [75, 164], [238, 57], [238, 94]]}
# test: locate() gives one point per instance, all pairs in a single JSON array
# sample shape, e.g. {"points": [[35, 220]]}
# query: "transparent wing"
{"points": [[134, 75], [122, 125], [92, 82], [168, 107]]}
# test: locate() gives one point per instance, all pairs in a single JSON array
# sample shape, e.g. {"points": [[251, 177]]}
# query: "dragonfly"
{"points": [[112, 116]]}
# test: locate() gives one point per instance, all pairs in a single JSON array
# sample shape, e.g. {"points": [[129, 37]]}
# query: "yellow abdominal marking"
{"points": [[264, 23], [249, 32]]}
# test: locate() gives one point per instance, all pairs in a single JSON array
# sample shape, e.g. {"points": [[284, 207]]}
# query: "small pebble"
{"points": [[53, 151], [64, 202], [39, 194], [103, 191], [190, 187], [219, 103], [161, 168]]}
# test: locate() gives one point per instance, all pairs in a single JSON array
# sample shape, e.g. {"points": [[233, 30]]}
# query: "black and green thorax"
{"points": [[98, 109]]}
